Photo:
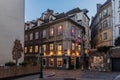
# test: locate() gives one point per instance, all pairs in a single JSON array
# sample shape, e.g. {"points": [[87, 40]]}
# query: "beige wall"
{"points": [[11, 26]]}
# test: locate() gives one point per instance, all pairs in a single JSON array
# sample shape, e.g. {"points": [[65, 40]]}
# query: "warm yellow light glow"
{"points": [[59, 53], [25, 50], [77, 53], [86, 51], [36, 49], [44, 53], [73, 54], [51, 53], [68, 52]]}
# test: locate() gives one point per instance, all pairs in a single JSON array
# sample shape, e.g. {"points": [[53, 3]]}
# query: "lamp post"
{"points": [[41, 54]]}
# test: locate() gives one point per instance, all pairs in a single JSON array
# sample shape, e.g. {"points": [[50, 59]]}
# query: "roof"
{"points": [[75, 10], [107, 2], [61, 15]]}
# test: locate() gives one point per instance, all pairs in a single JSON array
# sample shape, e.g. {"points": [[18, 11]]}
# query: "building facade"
{"points": [[102, 26], [116, 19], [60, 36], [11, 27]]}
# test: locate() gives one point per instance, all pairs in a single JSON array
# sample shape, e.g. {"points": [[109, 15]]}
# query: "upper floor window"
{"points": [[36, 49], [44, 33], [59, 49], [105, 24], [51, 31], [31, 36], [26, 26], [44, 46], [26, 37], [73, 31], [25, 50], [105, 12], [105, 36], [31, 49], [36, 35], [51, 46], [73, 46], [59, 29]]}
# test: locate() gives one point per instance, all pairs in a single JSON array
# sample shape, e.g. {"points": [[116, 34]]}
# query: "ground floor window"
{"points": [[51, 62], [44, 62], [59, 62]]}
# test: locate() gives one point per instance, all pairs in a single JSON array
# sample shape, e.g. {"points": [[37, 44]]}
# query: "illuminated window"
{"points": [[36, 35], [36, 49], [73, 31], [26, 37], [59, 30], [79, 47], [25, 50], [44, 33], [51, 31], [51, 46], [73, 46], [44, 46], [51, 62], [59, 62], [31, 49], [31, 36], [59, 49]]}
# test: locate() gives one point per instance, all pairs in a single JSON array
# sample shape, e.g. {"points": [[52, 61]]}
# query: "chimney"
{"points": [[98, 6]]}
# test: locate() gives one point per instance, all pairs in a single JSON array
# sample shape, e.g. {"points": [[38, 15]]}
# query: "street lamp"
{"points": [[41, 54]]}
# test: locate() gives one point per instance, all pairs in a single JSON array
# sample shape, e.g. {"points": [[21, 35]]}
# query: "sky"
{"points": [[34, 8]]}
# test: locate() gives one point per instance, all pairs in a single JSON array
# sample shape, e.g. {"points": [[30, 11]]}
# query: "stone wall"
{"points": [[17, 71]]}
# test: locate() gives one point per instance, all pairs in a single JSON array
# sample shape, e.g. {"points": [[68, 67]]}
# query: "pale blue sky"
{"points": [[34, 8]]}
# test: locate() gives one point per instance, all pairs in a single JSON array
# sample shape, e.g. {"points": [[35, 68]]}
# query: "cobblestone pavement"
{"points": [[53, 74]]}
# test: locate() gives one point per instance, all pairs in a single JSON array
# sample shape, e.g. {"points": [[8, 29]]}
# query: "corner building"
{"points": [[58, 34]]}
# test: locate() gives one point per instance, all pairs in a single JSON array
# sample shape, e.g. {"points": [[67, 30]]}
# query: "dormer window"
{"points": [[39, 22], [26, 26]]}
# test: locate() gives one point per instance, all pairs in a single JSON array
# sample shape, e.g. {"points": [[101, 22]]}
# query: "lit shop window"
{"points": [[44, 33], [25, 50], [59, 30], [36, 49], [31, 49], [51, 31], [44, 47], [36, 35], [31, 36], [51, 62], [59, 62]]}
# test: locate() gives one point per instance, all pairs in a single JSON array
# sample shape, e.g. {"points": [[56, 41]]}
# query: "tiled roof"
{"points": [[75, 10], [61, 15]]}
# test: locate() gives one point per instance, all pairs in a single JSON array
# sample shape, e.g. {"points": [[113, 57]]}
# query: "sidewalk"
{"points": [[54, 74]]}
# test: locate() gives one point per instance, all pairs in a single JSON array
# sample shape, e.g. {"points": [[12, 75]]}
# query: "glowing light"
{"points": [[68, 52]]}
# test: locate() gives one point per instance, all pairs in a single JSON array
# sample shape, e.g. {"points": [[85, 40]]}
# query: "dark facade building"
{"points": [[61, 38]]}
